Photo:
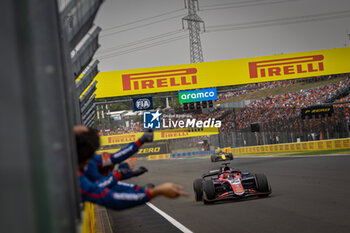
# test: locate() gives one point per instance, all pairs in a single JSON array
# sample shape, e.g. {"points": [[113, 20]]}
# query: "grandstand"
{"points": [[278, 113]]}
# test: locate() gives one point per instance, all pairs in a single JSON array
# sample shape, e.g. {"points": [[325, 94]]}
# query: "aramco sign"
{"points": [[197, 95]]}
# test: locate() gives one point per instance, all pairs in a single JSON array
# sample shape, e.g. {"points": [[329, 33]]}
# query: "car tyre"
{"points": [[230, 156], [208, 190], [198, 189], [213, 158], [262, 184]]}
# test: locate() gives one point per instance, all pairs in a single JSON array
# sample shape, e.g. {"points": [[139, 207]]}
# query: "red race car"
{"points": [[228, 183]]}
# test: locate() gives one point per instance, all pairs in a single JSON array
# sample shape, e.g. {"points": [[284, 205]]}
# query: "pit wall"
{"points": [[88, 225]]}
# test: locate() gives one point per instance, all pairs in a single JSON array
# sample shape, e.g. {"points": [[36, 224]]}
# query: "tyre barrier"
{"points": [[191, 154]]}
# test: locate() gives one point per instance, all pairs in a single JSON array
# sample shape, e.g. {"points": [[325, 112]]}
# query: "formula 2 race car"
{"points": [[221, 156], [228, 183]]}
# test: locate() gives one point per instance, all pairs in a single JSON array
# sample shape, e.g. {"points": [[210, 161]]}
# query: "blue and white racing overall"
{"points": [[108, 190], [99, 194], [106, 159], [112, 180]]}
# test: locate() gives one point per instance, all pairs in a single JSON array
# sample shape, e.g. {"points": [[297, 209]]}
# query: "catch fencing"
{"points": [[289, 130]]}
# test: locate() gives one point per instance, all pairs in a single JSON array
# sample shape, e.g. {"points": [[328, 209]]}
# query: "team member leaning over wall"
{"points": [[95, 191], [101, 166]]}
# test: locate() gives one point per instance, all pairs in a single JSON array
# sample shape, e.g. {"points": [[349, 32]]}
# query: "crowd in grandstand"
{"points": [[253, 87], [283, 106], [249, 88], [134, 127], [344, 99]]}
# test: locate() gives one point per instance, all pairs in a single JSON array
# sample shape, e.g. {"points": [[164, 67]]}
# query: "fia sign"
{"points": [[144, 103]]}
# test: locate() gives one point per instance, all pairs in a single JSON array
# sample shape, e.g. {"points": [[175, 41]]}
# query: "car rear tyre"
{"points": [[198, 190], [213, 158], [262, 184], [208, 190]]}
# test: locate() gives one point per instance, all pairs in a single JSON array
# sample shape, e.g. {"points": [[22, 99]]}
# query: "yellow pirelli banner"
{"points": [[335, 144], [223, 73], [158, 135]]}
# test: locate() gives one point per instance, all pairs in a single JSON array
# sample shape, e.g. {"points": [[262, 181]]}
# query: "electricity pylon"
{"points": [[194, 26]]}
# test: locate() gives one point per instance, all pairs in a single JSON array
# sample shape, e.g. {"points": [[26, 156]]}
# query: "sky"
{"points": [[149, 33]]}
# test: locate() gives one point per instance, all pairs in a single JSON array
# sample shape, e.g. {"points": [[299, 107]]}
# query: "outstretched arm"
{"points": [[127, 199], [132, 148], [110, 198], [124, 153]]}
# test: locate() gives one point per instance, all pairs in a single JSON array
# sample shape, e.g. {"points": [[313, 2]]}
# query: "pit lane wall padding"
{"points": [[88, 225], [334, 144]]}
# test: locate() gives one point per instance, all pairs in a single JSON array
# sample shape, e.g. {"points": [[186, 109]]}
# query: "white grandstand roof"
{"points": [[130, 114], [116, 112]]}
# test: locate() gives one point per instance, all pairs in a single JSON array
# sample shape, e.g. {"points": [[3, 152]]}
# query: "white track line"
{"points": [[170, 219]]}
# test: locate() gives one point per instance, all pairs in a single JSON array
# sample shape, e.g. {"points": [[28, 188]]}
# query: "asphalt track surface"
{"points": [[309, 194]]}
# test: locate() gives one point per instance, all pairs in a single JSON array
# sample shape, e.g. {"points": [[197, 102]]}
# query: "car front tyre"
{"points": [[208, 190], [262, 185], [198, 190]]}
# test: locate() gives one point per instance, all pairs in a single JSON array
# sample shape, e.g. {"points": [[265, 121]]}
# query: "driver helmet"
{"points": [[227, 174]]}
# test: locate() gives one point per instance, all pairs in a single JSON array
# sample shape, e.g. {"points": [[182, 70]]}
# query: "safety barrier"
{"points": [[187, 154], [89, 221], [334, 144], [156, 157], [180, 155], [226, 150]]}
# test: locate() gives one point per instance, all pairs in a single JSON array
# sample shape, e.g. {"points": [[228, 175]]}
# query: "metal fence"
{"points": [[288, 130], [192, 144]]}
